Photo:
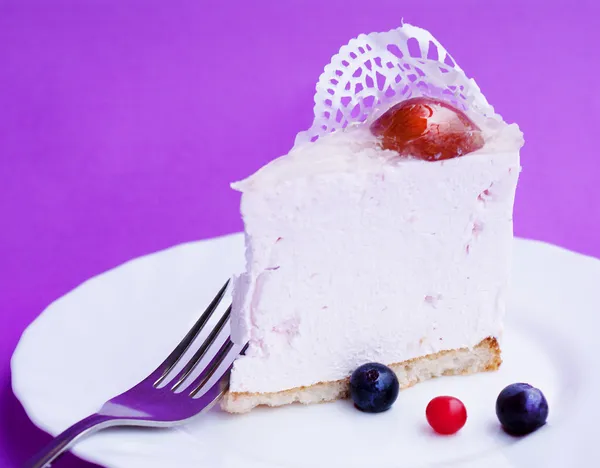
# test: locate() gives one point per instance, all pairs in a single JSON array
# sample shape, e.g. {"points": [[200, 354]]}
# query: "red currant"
{"points": [[446, 414], [427, 128]]}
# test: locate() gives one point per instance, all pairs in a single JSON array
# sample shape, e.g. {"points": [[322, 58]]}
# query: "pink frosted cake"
{"points": [[384, 235]]}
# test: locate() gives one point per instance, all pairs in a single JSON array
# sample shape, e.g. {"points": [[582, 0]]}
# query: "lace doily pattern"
{"points": [[374, 71]]}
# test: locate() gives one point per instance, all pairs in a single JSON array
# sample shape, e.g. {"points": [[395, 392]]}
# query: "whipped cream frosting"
{"points": [[354, 254], [357, 255], [356, 148]]}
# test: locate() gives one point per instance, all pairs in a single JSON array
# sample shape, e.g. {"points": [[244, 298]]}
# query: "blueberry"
{"points": [[521, 409], [374, 387]]}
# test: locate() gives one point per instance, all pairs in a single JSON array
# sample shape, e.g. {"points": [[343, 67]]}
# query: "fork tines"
{"points": [[166, 368]]}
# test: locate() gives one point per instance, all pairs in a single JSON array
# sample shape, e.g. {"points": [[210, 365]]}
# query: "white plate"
{"points": [[111, 331]]}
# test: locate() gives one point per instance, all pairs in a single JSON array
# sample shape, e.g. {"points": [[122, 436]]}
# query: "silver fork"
{"points": [[150, 404]]}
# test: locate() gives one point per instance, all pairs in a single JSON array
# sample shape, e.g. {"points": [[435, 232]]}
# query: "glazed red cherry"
{"points": [[427, 128], [446, 414]]}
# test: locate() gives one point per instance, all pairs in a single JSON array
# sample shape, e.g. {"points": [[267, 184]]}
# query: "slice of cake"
{"points": [[384, 235]]}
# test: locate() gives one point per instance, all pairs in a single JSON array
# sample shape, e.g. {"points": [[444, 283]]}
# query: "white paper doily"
{"points": [[374, 71]]}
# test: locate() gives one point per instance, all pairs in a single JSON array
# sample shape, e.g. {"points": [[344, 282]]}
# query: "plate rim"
{"points": [[17, 361]]}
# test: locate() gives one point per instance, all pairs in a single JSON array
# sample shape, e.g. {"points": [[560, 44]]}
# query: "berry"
{"points": [[446, 415], [428, 129], [521, 409], [374, 387]]}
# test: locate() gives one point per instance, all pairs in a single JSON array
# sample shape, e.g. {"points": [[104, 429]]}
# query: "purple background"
{"points": [[122, 123]]}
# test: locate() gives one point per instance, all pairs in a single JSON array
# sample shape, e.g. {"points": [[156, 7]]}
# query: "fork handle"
{"points": [[66, 439]]}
